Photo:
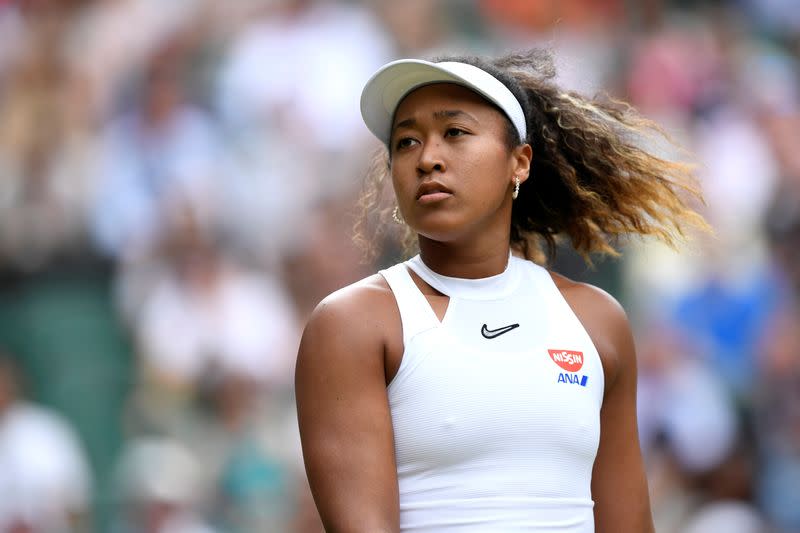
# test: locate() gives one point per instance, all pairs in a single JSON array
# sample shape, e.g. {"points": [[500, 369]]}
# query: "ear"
{"points": [[521, 156]]}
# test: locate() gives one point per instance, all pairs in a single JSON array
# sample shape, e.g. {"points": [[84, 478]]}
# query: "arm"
{"points": [[343, 412], [619, 485]]}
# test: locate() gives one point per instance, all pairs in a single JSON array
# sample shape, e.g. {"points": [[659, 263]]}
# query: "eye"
{"points": [[454, 132], [404, 142]]}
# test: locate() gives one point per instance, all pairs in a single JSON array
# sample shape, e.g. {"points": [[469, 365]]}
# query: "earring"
{"points": [[396, 215], [516, 189]]}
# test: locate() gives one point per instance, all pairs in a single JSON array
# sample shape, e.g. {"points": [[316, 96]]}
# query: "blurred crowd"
{"points": [[178, 182]]}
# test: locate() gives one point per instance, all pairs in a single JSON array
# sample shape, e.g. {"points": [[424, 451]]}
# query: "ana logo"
{"points": [[573, 379], [567, 359]]}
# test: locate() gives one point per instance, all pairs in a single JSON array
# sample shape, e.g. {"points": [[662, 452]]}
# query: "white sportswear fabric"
{"points": [[492, 434]]}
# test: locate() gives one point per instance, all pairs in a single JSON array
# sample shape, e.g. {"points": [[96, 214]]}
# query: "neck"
{"points": [[466, 262]]}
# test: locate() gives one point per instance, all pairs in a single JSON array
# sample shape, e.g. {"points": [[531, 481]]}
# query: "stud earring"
{"points": [[516, 189], [396, 215]]}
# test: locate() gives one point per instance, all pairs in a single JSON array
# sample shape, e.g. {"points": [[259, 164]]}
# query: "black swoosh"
{"points": [[492, 333]]}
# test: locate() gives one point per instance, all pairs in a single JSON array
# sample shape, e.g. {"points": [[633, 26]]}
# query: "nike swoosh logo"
{"points": [[492, 333]]}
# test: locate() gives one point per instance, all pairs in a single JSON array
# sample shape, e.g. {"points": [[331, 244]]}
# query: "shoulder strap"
{"points": [[416, 313]]}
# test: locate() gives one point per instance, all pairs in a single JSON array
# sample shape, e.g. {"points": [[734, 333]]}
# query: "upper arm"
{"points": [[619, 484], [343, 413]]}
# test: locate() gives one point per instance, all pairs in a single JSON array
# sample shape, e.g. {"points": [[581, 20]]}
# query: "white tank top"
{"points": [[496, 409]]}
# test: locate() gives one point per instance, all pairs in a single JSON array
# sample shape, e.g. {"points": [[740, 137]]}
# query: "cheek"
{"points": [[490, 174], [402, 185]]}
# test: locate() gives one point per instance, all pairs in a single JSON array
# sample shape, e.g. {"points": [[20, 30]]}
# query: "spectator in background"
{"points": [[165, 151], [45, 482], [306, 44], [419, 26], [45, 147], [215, 341], [777, 419], [112, 40], [782, 220], [206, 312], [13, 30], [728, 517], [160, 489], [692, 432], [293, 145]]}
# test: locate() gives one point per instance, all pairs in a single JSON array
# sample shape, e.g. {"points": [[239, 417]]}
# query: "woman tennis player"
{"points": [[469, 389]]}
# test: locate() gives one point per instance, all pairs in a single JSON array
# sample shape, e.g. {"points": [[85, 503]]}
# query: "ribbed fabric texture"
{"points": [[494, 434]]}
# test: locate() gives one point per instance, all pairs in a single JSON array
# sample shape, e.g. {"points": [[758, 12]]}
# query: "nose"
{"points": [[430, 160]]}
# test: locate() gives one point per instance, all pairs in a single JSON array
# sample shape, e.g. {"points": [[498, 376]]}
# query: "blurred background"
{"points": [[177, 184]]}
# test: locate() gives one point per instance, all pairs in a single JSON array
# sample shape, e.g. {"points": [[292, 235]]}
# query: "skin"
{"points": [[352, 345]]}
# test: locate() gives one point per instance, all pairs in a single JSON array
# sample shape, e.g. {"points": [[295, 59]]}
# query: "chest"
{"points": [[494, 380]]}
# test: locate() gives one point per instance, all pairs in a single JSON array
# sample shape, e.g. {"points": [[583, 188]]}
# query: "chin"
{"points": [[440, 229]]}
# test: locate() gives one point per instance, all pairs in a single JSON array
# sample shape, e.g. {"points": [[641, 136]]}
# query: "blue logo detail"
{"points": [[574, 379]]}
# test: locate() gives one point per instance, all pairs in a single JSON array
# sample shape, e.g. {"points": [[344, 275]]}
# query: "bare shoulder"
{"points": [[590, 298], [362, 294], [360, 308], [604, 319]]}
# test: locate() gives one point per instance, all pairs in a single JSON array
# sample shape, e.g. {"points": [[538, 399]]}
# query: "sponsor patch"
{"points": [[573, 379], [569, 360]]}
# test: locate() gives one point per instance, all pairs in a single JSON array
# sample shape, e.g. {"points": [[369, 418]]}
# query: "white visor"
{"points": [[392, 82]]}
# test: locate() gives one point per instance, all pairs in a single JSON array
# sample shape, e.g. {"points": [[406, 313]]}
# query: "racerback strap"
{"points": [[416, 313]]}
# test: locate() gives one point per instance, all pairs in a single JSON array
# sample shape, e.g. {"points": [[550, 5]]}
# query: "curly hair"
{"points": [[591, 179]]}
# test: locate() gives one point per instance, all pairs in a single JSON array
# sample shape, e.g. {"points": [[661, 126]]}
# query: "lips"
{"points": [[432, 191]]}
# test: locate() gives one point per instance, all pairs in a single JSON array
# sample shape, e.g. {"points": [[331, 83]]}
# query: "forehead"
{"points": [[439, 96]]}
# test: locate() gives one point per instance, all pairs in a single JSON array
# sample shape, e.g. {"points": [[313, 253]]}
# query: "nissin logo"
{"points": [[567, 359]]}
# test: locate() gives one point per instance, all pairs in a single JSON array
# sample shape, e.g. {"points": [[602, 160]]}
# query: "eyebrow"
{"points": [[438, 115]]}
